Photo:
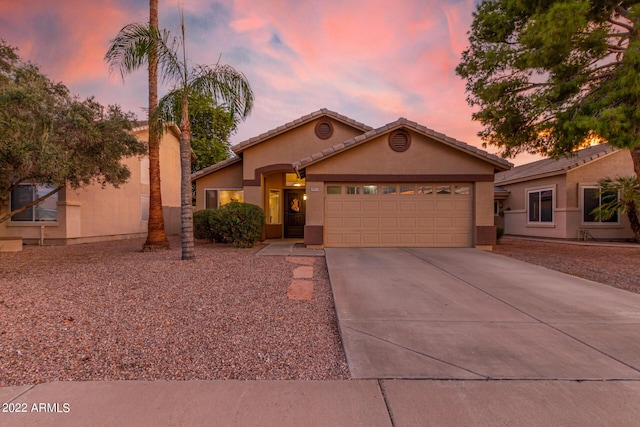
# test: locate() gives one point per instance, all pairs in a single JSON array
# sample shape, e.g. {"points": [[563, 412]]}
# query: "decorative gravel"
{"points": [[614, 266], [106, 311]]}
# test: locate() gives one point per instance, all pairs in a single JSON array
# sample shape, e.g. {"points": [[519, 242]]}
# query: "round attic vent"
{"points": [[324, 130], [399, 140]]}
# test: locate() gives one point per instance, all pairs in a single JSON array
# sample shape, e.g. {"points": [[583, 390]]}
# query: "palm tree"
{"points": [[621, 194], [121, 56], [221, 82]]}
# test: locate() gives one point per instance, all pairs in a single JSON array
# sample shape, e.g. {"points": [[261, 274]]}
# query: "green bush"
{"points": [[242, 224], [499, 233], [237, 223]]}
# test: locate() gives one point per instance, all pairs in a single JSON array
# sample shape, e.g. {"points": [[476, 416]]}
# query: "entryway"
{"points": [[294, 213]]}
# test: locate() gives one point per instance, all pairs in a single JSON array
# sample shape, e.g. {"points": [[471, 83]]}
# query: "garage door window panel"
{"points": [[444, 189], [407, 190]]}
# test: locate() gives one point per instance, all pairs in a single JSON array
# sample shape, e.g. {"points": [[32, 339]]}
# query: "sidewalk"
{"points": [[323, 403]]}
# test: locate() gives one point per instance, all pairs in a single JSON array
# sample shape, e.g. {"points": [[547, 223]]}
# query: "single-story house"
{"points": [[555, 198], [94, 213], [335, 182]]}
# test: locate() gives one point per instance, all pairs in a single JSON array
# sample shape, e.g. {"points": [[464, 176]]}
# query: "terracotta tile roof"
{"points": [[220, 165], [238, 148], [500, 164], [551, 167]]}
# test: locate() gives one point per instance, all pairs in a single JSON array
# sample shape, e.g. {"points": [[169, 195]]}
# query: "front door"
{"points": [[294, 214]]}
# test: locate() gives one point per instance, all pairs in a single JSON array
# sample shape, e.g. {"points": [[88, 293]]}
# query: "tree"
{"points": [[620, 194], [547, 75], [126, 58], [220, 83], [50, 138], [211, 127]]}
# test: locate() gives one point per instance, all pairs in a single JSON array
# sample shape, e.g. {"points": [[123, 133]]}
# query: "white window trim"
{"points": [[594, 223], [551, 223]]}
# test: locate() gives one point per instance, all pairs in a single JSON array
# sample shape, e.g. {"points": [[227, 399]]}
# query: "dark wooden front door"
{"points": [[294, 214]]}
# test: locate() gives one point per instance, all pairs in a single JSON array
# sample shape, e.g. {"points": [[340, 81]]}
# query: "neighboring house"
{"points": [[94, 213], [555, 198], [335, 182]]}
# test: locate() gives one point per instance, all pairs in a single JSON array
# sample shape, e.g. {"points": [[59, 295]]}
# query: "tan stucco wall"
{"points": [[568, 204], [293, 145], [94, 213], [229, 177], [424, 156]]}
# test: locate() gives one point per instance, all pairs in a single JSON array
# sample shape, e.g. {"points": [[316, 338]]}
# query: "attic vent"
{"points": [[324, 130], [399, 140]]}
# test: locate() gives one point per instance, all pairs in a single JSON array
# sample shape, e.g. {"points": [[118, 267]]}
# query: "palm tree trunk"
{"points": [[186, 209], [156, 237]]}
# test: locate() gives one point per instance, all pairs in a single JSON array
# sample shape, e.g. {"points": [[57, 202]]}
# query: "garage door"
{"points": [[423, 215]]}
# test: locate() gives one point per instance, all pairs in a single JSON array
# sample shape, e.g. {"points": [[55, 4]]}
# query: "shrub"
{"points": [[499, 233], [241, 223], [237, 223]]}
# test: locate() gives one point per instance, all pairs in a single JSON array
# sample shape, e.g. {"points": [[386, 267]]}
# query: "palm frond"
{"points": [[128, 50], [226, 85]]}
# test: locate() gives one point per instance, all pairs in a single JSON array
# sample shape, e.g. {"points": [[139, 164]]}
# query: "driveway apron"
{"points": [[469, 314]]}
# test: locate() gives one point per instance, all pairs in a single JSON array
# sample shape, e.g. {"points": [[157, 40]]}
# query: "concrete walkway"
{"points": [[484, 340]]}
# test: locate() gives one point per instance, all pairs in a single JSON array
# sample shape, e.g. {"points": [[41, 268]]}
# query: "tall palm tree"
{"points": [[127, 58], [621, 194], [221, 82]]}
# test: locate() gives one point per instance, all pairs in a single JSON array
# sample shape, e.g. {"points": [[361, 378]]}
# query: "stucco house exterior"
{"points": [[554, 198], [335, 182], [94, 213]]}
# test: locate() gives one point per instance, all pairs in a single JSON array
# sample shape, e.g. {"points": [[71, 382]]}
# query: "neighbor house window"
{"points": [[219, 197], [47, 210], [591, 199], [540, 205]]}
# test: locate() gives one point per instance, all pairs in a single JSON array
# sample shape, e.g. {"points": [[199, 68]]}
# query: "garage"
{"points": [[398, 214]]}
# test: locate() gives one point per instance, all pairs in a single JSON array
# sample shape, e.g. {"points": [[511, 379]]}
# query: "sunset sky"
{"points": [[370, 60]]}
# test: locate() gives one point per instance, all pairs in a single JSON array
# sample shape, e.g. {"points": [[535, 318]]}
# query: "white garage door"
{"points": [[422, 215]]}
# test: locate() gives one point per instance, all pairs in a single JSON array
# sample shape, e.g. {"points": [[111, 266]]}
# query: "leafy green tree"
{"points": [[620, 194], [545, 76], [48, 137], [221, 83], [211, 127]]}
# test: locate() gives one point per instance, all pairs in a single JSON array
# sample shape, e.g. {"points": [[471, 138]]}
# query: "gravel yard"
{"points": [[105, 311], [614, 266]]}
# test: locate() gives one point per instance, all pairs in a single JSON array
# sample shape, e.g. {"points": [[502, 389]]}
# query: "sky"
{"points": [[370, 60]]}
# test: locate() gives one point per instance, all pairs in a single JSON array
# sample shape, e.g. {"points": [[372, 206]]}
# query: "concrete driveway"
{"points": [[469, 314]]}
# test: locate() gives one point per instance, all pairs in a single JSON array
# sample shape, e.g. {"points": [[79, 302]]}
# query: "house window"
{"points": [[352, 189], [370, 189], [220, 197], [144, 207], [496, 208], [274, 207], [540, 205], [45, 211], [591, 199]]}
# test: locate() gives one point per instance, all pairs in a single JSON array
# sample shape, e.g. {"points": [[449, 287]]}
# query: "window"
{"points": [[217, 198], [591, 200], [352, 189], [462, 189], [444, 189], [407, 190], [334, 189], [425, 189], [144, 207], [540, 205], [388, 189], [274, 207], [45, 211], [293, 180], [370, 189], [496, 208]]}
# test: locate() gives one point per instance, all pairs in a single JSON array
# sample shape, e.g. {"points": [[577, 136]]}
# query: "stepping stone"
{"points": [[300, 290], [305, 272], [302, 260]]}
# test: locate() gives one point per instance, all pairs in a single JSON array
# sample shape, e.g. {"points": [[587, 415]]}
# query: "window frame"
{"points": [[540, 221], [54, 198], [582, 208], [218, 195]]}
